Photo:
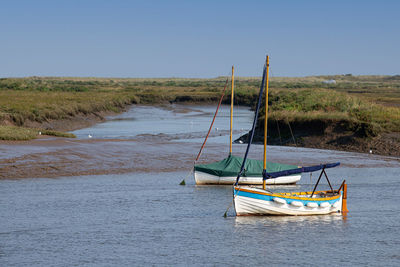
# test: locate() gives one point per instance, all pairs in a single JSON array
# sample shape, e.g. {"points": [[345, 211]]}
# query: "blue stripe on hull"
{"points": [[288, 200]]}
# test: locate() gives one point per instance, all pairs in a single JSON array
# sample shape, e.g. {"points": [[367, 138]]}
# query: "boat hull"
{"points": [[252, 201], [203, 178]]}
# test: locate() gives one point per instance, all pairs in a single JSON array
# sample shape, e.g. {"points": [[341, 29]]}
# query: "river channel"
{"points": [[142, 216]]}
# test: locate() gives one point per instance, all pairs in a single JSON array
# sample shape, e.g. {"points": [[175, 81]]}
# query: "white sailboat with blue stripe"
{"points": [[260, 201], [257, 201]]}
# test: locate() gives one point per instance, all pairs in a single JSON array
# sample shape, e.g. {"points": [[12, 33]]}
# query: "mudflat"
{"points": [[157, 140], [57, 157]]}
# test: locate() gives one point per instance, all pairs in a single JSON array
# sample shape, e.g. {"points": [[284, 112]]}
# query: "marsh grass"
{"points": [[56, 133], [304, 106], [19, 106], [352, 98]]}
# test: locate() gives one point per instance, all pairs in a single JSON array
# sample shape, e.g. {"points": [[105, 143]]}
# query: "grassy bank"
{"points": [[323, 118], [18, 107], [321, 104], [361, 103]]}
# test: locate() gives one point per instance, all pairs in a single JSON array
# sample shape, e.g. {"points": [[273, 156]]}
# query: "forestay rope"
{"points": [[209, 130], [215, 115]]}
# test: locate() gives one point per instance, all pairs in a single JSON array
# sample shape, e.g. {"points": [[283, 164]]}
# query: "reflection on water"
{"points": [[286, 221]]}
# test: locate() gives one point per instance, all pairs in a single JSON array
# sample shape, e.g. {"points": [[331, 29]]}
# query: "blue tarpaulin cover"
{"points": [[269, 175]]}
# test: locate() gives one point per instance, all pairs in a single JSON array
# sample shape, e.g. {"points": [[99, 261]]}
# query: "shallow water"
{"points": [[148, 219], [181, 122]]}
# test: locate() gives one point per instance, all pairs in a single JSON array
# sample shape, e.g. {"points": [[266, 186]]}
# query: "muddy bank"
{"points": [[315, 134], [58, 157], [71, 123], [332, 135], [149, 139]]}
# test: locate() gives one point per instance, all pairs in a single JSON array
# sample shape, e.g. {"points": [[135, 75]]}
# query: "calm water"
{"points": [[181, 121], [148, 219]]}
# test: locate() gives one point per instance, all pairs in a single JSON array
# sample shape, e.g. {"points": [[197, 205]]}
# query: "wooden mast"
{"points": [[230, 134], [266, 123]]}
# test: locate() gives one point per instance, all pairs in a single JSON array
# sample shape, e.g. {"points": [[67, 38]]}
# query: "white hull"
{"points": [[254, 204], [203, 178]]}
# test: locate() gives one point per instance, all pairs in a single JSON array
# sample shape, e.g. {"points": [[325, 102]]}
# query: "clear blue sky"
{"points": [[198, 38]]}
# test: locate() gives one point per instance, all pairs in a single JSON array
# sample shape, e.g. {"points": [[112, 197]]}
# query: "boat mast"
{"points": [[266, 123], [254, 125], [230, 135]]}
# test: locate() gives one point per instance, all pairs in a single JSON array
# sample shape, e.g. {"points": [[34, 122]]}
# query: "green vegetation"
{"points": [[19, 106], [369, 102], [379, 89], [17, 133], [307, 106], [56, 133]]}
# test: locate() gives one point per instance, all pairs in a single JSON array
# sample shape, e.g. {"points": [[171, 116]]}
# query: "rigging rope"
{"points": [[279, 132], [205, 140], [290, 128], [187, 176], [215, 115]]}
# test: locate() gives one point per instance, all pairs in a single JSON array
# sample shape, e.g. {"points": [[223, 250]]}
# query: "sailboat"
{"points": [[260, 201], [225, 171]]}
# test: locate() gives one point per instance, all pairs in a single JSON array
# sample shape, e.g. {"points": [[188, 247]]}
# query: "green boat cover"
{"points": [[230, 166]]}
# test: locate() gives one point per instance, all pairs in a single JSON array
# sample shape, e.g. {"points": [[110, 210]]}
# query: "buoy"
{"points": [[90, 136], [296, 203], [312, 205], [279, 200], [324, 204], [370, 151]]}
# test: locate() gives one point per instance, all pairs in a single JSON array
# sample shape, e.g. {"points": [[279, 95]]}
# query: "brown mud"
{"points": [[57, 157], [52, 157], [70, 123]]}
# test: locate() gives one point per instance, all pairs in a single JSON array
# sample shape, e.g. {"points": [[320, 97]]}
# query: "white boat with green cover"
{"points": [[226, 170]]}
